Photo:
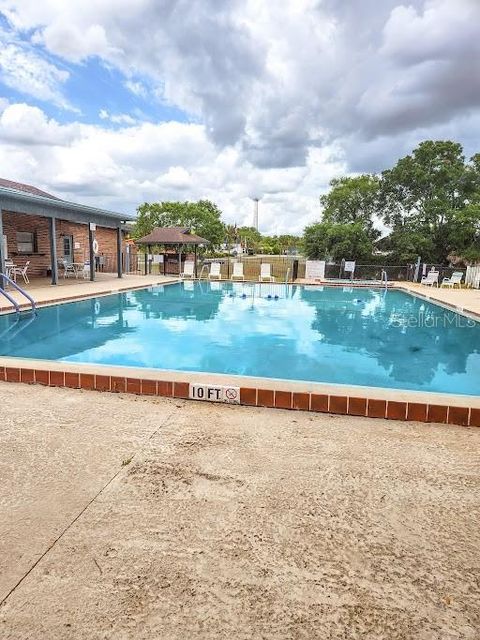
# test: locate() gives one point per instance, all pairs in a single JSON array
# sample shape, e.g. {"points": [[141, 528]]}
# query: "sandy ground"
{"points": [[155, 518]]}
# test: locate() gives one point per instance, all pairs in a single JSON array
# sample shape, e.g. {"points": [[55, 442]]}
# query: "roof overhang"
{"points": [[29, 204]]}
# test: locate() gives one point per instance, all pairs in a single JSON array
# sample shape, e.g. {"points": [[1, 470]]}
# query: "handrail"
{"points": [[10, 299], [204, 266], [384, 276], [13, 284]]}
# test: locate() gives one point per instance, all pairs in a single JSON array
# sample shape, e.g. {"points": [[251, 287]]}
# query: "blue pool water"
{"points": [[348, 336]]}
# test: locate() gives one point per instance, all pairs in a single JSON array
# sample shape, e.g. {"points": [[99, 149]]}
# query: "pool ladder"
{"points": [[6, 279], [384, 278]]}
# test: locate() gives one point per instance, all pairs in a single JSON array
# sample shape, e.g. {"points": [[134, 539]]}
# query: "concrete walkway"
{"points": [[464, 299], [141, 518], [43, 292]]}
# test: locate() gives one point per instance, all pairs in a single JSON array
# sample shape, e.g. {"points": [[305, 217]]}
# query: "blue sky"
{"points": [[116, 102]]}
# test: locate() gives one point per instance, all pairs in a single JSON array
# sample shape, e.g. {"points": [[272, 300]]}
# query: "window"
{"points": [[26, 242]]}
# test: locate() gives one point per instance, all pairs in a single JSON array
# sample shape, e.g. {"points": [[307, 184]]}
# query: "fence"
{"points": [[472, 277], [287, 268]]}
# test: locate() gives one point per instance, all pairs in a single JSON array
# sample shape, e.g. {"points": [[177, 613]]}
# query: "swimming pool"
{"points": [[351, 336]]}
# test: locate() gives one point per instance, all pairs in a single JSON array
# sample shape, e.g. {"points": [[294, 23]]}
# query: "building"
{"points": [[49, 233]]}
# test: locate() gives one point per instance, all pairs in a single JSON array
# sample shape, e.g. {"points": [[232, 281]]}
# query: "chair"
{"points": [[188, 269], [18, 271], [456, 278], [238, 271], [430, 279], [266, 273], [9, 267], [68, 267], [215, 271]]}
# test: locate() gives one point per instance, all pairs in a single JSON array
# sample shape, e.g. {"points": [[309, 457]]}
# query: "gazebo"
{"points": [[179, 237]]}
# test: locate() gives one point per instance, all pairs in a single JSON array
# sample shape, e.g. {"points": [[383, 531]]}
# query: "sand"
{"points": [[125, 517]]}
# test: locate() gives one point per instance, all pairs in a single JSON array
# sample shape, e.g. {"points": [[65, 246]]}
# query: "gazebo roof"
{"points": [[171, 235]]}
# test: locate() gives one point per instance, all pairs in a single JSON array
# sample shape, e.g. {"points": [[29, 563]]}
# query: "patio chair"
{"points": [[455, 279], [266, 273], [238, 271], [68, 268], [215, 271], [188, 269], [431, 279], [19, 271]]}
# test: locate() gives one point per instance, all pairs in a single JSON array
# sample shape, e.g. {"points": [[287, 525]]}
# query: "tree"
{"points": [[424, 190], [202, 217], [353, 200], [328, 241], [249, 237], [463, 234], [405, 244]]}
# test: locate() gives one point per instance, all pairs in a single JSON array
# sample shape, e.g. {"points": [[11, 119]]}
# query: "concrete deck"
{"points": [[43, 292], [164, 518], [462, 299]]}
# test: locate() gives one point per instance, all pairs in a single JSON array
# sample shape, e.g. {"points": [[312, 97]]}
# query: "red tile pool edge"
{"points": [[260, 397]]}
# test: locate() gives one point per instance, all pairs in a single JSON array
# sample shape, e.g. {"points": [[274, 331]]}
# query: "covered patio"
{"points": [[178, 239], [43, 237]]}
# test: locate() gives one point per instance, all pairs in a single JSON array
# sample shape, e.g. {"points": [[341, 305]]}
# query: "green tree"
{"points": [[463, 233], [329, 241], [249, 237], [423, 191], [353, 200], [202, 217], [405, 244]]}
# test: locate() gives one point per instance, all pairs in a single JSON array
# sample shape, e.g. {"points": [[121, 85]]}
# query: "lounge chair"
{"points": [[215, 271], [18, 271], [456, 278], [188, 269], [431, 279], [238, 271], [266, 273]]}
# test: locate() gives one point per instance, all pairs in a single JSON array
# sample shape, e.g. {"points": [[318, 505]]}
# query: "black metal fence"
{"points": [[284, 268]]}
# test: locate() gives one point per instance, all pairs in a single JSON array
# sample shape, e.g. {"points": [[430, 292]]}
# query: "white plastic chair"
{"points": [[266, 273], [68, 267], [215, 271], [238, 271], [17, 271], [188, 269], [455, 279], [430, 279]]}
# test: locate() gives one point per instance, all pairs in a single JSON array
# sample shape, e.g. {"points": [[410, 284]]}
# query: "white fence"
{"points": [[472, 277]]}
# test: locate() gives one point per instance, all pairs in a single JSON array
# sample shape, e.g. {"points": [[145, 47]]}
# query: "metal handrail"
{"points": [[13, 284], [384, 277]]}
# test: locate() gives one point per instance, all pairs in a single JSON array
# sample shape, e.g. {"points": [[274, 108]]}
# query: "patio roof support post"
{"points": [[119, 252], [179, 259], [2, 256], [91, 252], [53, 249], [195, 268], [148, 263]]}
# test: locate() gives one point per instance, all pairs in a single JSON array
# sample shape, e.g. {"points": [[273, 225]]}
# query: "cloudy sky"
{"points": [[117, 102]]}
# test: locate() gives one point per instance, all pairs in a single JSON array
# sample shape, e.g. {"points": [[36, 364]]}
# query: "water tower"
{"points": [[255, 212]]}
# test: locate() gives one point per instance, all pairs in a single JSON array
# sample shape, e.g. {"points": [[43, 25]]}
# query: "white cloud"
{"points": [[281, 96], [118, 118], [137, 88], [22, 69], [122, 167]]}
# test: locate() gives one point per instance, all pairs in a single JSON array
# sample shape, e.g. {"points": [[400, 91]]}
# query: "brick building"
{"points": [[48, 232]]}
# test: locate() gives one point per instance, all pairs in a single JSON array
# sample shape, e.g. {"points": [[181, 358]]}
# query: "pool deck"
{"points": [[152, 518], [466, 301], [44, 293]]}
